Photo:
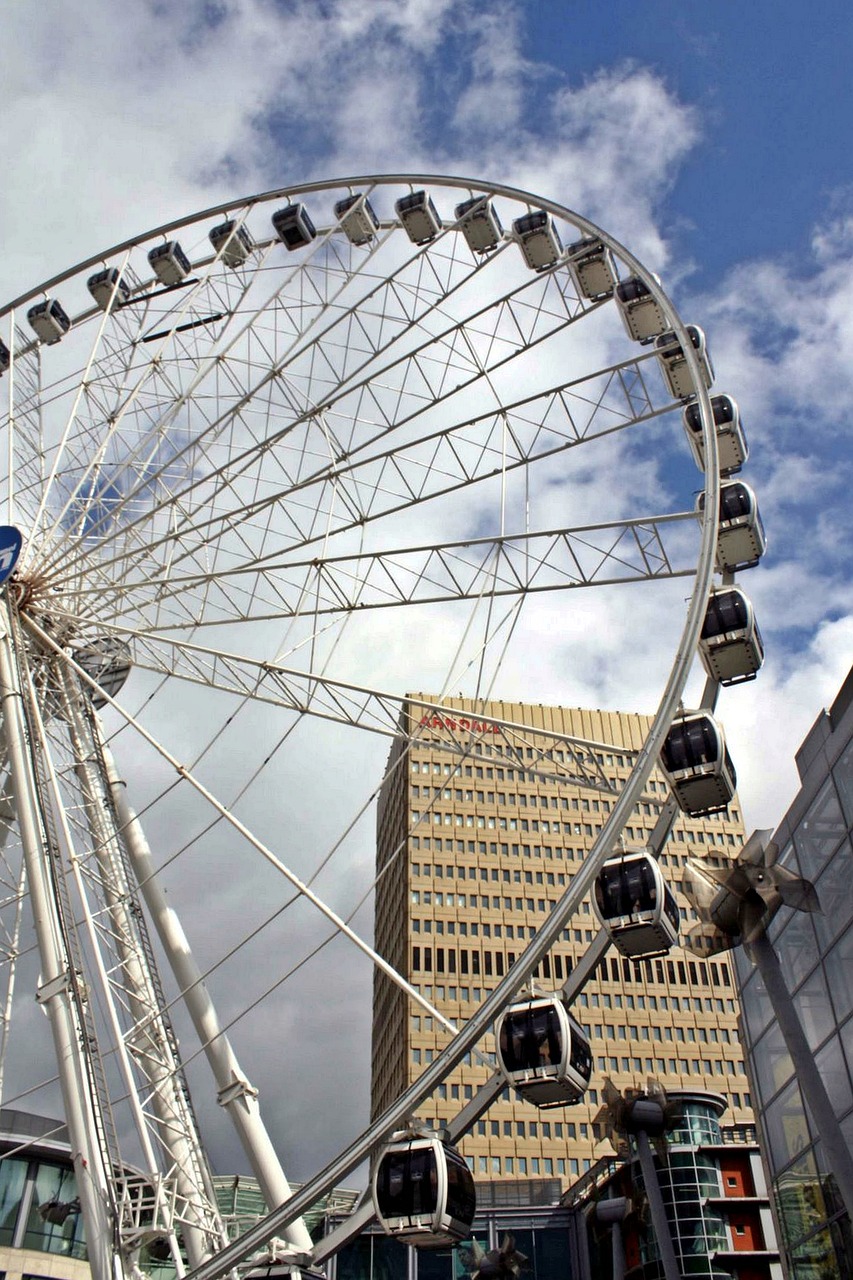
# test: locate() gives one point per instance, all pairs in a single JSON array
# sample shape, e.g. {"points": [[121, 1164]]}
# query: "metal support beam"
{"points": [[92, 1176], [660, 1222], [235, 1093], [202, 1231]]}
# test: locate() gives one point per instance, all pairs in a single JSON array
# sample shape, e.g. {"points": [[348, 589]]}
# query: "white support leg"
{"points": [[93, 1183], [236, 1094], [202, 1230]]}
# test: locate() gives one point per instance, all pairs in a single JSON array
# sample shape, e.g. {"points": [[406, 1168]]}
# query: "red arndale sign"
{"points": [[445, 722]]}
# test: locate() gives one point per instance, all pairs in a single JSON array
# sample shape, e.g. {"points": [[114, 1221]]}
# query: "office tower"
{"points": [[484, 816], [815, 956]]}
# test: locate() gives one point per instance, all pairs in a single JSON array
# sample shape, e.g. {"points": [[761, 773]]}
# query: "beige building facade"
{"points": [[486, 813]]}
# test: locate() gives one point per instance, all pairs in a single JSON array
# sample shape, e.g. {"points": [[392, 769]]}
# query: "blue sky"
{"points": [[712, 139], [773, 92]]}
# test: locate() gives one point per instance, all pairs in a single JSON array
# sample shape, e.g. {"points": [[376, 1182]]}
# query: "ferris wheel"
{"points": [[268, 467]]}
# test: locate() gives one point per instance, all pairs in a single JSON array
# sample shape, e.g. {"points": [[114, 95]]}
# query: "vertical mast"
{"points": [[150, 1041], [56, 992]]}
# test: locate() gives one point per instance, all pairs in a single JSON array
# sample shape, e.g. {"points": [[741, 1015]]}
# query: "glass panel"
{"points": [[698, 1124], [461, 1197], [833, 1071], [552, 1253], [836, 901], [787, 1129], [832, 1198], [800, 1199], [787, 858], [531, 1039], [820, 831], [55, 1223], [390, 1258], [815, 1258], [797, 948], [837, 965], [465, 1256], [755, 1003], [842, 1242], [846, 1035], [374, 1257], [814, 1008], [843, 775], [13, 1174], [434, 1264], [771, 1063]]}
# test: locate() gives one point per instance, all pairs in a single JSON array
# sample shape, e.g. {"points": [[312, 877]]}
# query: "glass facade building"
{"points": [[815, 953], [544, 1233], [41, 1227], [714, 1194]]}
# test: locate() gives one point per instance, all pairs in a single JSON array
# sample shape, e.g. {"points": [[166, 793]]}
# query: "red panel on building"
{"points": [[736, 1175], [746, 1232]]}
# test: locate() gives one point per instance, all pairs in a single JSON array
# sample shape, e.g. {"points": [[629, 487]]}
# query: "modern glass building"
{"points": [[41, 1227], [528, 1211], [815, 953], [714, 1194]]}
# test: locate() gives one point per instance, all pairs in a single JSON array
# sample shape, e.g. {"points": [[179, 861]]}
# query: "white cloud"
{"points": [[768, 719]]}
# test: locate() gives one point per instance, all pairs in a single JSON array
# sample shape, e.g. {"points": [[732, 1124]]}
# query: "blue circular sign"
{"points": [[10, 548]]}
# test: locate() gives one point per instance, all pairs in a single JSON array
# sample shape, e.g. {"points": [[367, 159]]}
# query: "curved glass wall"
{"points": [[698, 1124], [687, 1178]]}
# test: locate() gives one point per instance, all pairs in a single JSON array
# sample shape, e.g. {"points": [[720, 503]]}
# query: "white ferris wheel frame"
{"points": [[342, 704]]}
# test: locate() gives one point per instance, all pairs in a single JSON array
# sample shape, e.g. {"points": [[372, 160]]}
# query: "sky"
{"points": [[705, 138]]}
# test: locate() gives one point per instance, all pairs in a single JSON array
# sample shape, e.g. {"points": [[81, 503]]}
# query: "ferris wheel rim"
{"points": [[247, 202]]}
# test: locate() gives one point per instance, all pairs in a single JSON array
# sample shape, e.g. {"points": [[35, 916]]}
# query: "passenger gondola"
{"points": [[543, 1052], [232, 243], [697, 764], [730, 646], [108, 288], [479, 223], [592, 268], [741, 541], [48, 321], [5, 357], [169, 263], [732, 449], [294, 226], [423, 1191], [357, 218], [539, 239], [642, 316], [636, 906], [108, 661], [674, 366], [419, 217]]}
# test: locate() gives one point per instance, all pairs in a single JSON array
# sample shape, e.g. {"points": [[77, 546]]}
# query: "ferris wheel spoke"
{"points": [[360, 707], [463, 453], [635, 550], [140, 462], [321, 298], [412, 380]]}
